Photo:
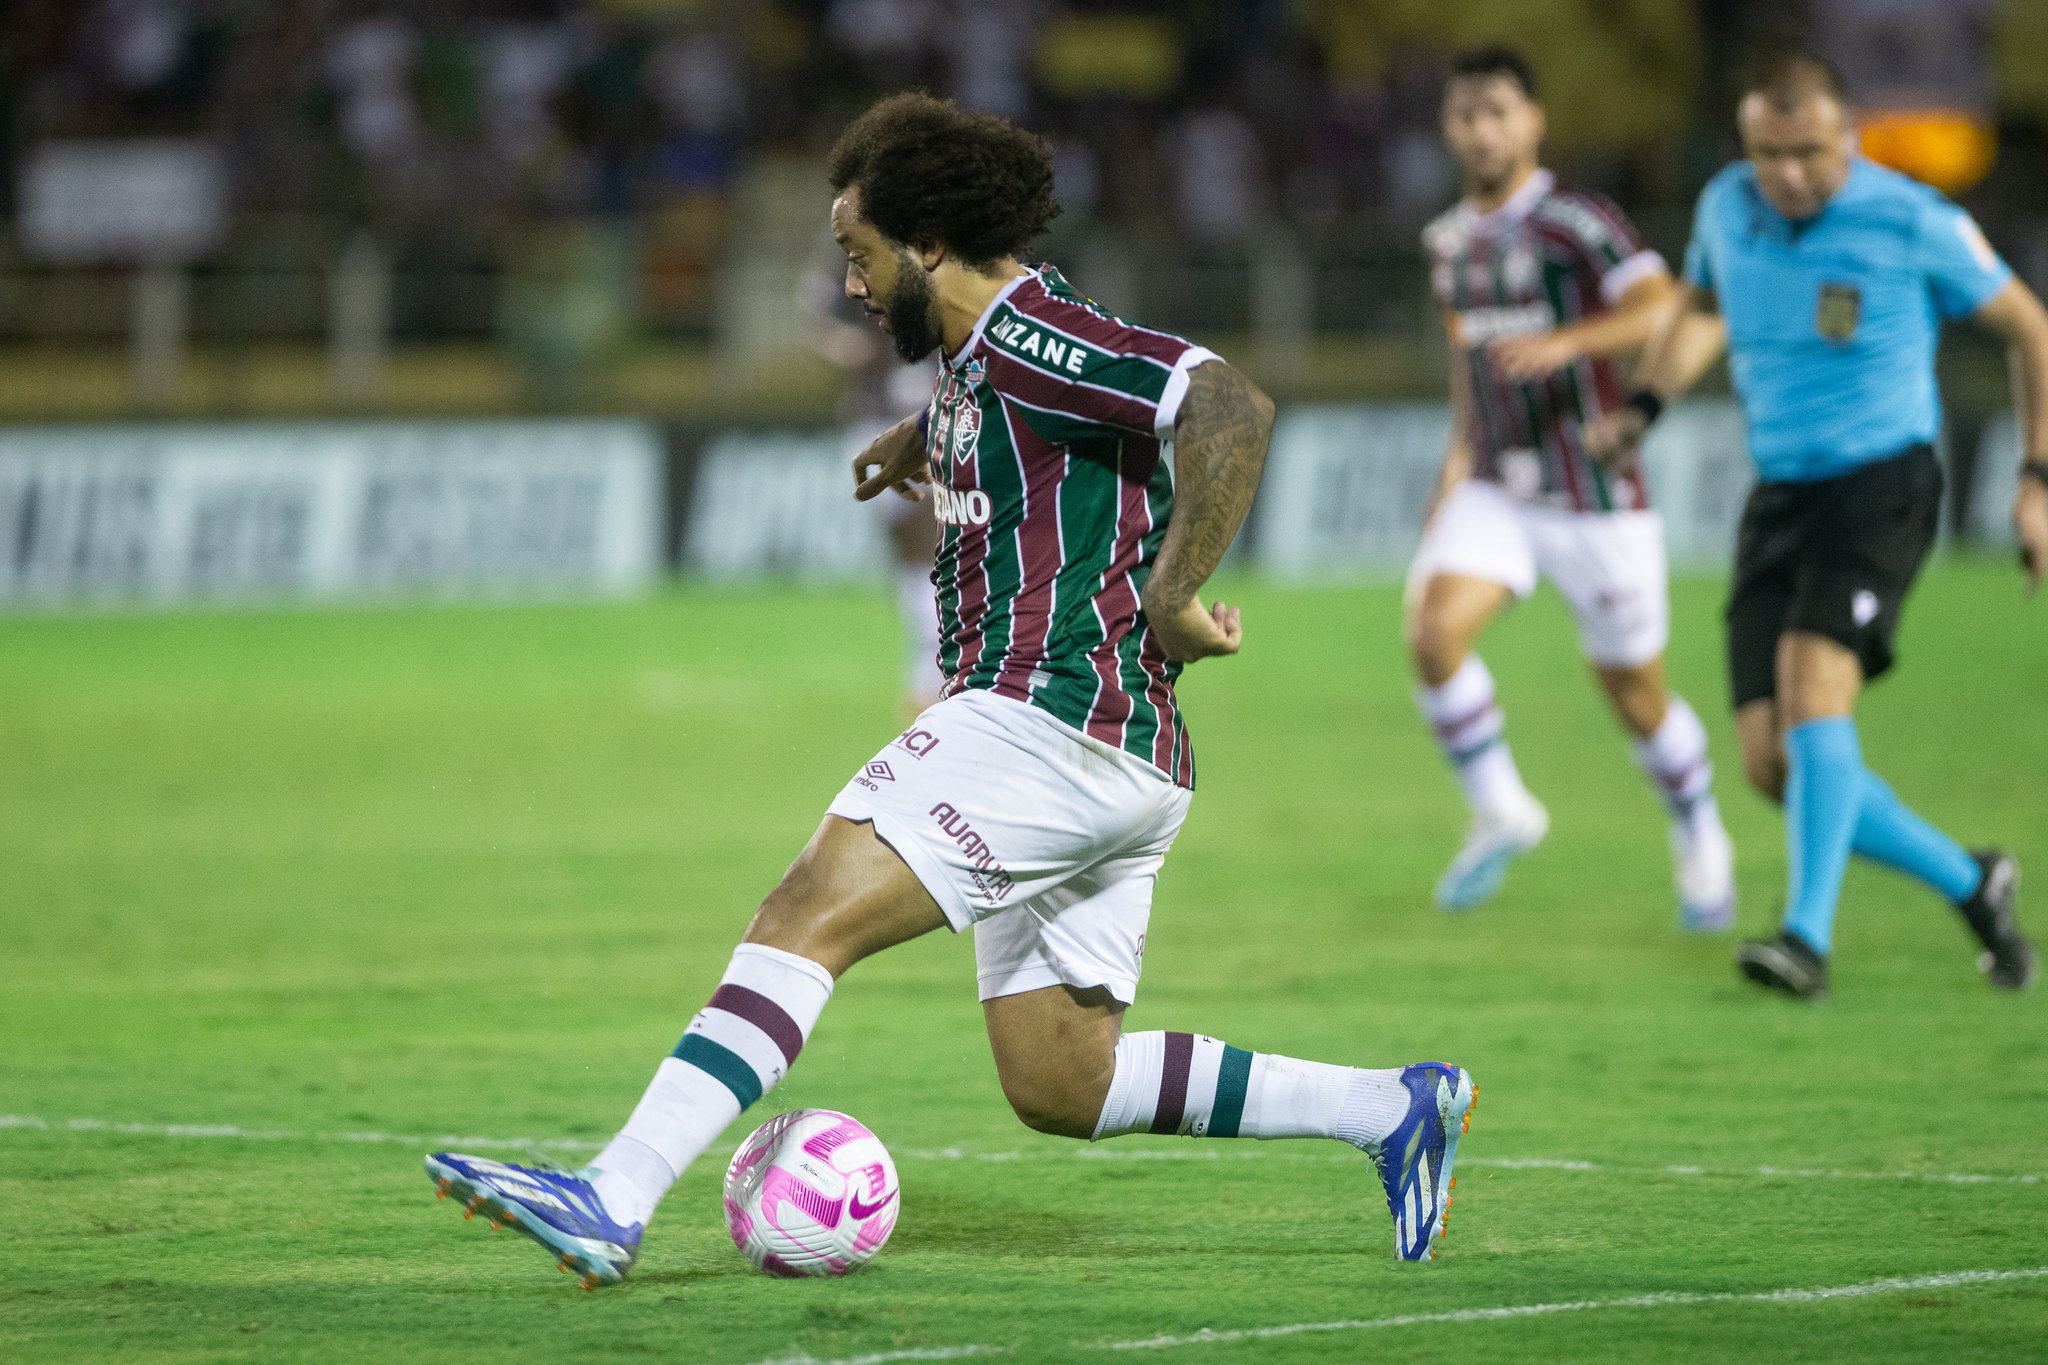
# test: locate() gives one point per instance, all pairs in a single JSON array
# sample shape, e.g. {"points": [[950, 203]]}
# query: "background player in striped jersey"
{"points": [[1540, 288], [1036, 802]]}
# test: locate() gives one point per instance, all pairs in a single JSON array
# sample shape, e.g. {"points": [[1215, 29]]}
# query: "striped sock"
{"points": [[1675, 758], [737, 1048], [1198, 1086], [1473, 735]]}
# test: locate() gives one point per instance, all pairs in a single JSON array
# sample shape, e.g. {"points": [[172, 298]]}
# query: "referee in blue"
{"points": [[1827, 278]]}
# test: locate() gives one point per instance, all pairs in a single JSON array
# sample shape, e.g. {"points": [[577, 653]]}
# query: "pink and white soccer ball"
{"points": [[811, 1192]]}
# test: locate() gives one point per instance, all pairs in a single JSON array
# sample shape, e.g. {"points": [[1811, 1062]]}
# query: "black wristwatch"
{"points": [[1648, 404], [2037, 470]]}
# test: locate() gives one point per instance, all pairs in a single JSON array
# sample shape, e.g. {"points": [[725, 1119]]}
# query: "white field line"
{"points": [[913, 1353], [1235, 1152], [1210, 1337], [1868, 1288]]}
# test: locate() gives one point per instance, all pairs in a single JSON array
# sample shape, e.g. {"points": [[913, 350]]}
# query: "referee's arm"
{"points": [[1689, 336], [2015, 314]]}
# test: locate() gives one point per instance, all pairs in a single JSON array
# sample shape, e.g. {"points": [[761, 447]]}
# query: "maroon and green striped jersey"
{"points": [[1046, 436], [1544, 258]]}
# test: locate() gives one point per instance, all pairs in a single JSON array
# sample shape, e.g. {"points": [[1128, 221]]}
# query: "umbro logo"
{"points": [[880, 771], [1863, 607]]}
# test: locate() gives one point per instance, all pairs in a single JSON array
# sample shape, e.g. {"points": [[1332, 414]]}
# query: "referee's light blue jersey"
{"points": [[1833, 320]]}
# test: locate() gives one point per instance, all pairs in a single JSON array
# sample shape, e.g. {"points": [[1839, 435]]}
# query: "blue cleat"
{"points": [[1415, 1161], [557, 1208]]}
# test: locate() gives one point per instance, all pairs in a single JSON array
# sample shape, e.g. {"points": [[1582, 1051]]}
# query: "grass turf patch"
{"points": [[469, 871]]}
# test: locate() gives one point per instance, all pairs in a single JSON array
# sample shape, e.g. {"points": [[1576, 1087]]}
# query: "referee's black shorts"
{"points": [[1833, 557]]}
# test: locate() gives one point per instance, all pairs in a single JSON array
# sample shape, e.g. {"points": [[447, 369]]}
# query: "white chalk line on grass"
{"points": [[1258, 1152], [1211, 1337], [1896, 1285], [912, 1353]]}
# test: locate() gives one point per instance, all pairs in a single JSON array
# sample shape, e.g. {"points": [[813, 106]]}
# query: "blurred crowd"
{"points": [[487, 142]]}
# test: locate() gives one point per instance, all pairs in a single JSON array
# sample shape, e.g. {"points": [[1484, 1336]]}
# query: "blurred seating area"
{"points": [[226, 207]]}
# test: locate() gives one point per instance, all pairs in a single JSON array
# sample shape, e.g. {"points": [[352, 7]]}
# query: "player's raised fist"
{"points": [[895, 459], [1198, 632]]}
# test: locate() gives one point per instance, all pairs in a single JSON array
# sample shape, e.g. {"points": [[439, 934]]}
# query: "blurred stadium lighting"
{"points": [[1920, 73]]}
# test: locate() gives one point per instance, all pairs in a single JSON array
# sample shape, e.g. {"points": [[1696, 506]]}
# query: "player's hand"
{"points": [[2030, 524], [1522, 359], [1608, 439], [895, 459], [1198, 632]]}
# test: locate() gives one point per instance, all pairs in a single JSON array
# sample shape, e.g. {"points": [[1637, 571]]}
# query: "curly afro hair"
{"points": [[929, 171]]}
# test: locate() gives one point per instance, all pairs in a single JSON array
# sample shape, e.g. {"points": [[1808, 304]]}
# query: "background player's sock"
{"points": [[1888, 832], [1675, 757], [1198, 1086], [736, 1049], [920, 610], [1470, 728], [1823, 794]]}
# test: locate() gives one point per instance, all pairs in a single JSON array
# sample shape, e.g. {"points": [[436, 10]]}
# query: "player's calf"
{"points": [[1763, 748]]}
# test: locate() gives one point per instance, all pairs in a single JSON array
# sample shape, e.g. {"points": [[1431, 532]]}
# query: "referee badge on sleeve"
{"points": [[1839, 310]]}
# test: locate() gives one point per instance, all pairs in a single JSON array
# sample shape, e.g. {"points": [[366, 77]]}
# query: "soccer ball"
{"points": [[811, 1192]]}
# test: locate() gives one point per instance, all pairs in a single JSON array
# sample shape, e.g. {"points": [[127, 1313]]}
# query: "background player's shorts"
{"points": [[1048, 842], [1834, 557], [1608, 565]]}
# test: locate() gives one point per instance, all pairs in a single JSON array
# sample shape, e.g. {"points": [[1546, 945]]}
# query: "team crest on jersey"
{"points": [[1839, 311], [965, 428]]}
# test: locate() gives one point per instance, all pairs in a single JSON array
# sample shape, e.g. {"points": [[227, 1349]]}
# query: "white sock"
{"points": [[738, 1048], [1471, 731], [1198, 1086], [1675, 758], [920, 610]]}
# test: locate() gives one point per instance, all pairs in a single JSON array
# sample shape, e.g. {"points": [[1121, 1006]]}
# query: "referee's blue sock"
{"points": [[1823, 796], [1889, 833]]}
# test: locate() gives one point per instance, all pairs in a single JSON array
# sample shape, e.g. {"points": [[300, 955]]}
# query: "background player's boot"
{"points": [[1785, 963], [557, 1208], [1703, 865], [1496, 839], [1416, 1159], [2008, 960]]}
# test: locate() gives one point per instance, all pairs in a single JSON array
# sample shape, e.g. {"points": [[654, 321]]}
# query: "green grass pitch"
{"points": [[469, 871]]}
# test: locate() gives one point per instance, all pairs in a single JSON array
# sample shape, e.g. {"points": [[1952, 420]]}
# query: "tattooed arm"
{"points": [[1219, 441]]}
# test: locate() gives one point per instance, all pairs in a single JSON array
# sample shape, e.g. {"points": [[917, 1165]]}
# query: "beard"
{"points": [[912, 312]]}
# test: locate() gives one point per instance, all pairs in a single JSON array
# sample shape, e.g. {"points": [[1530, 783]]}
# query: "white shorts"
{"points": [[1609, 565], [1048, 842]]}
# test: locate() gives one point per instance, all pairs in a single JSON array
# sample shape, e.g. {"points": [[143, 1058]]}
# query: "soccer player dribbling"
{"points": [[1540, 289], [1036, 802], [1827, 278]]}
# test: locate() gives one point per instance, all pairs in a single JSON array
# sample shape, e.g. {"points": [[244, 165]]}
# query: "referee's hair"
{"points": [[1790, 79], [1496, 59], [929, 172]]}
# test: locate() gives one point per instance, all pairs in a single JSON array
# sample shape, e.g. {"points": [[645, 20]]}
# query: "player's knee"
{"points": [[1053, 1106], [1436, 649]]}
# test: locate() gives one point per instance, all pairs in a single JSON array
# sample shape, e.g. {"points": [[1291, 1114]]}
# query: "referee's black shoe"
{"points": [[1785, 963], [2008, 961]]}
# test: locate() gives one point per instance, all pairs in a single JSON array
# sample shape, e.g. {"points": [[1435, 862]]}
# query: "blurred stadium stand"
{"points": [[290, 209]]}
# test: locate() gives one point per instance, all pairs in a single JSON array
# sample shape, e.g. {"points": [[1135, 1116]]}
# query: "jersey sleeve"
{"points": [[1618, 249], [1073, 372], [1605, 242], [1962, 270]]}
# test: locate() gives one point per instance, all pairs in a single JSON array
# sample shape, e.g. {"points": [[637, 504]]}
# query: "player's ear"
{"points": [[929, 254]]}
